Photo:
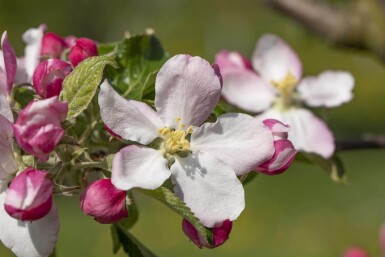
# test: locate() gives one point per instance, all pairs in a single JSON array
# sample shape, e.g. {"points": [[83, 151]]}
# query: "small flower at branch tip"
{"points": [[53, 45], [38, 128], [29, 196], [83, 49], [220, 234], [49, 75], [355, 252], [284, 150], [103, 201]]}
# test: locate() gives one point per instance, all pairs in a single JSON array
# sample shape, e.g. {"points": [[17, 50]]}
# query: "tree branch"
{"points": [[360, 24], [366, 142]]}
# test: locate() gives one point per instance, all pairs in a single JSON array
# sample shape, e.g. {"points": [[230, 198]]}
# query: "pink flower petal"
{"points": [[237, 139], [329, 89], [8, 163], [308, 133], [187, 88], [273, 58], [209, 187], [9, 61], [244, 89], [139, 166], [228, 60], [130, 119]]}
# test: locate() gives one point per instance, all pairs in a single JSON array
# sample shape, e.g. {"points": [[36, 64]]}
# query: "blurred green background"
{"points": [[298, 214]]}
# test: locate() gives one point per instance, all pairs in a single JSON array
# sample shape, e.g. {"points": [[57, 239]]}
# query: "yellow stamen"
{"points": [[175, 141], [287, 84]]}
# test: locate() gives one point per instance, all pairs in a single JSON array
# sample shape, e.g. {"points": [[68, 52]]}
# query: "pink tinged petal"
{"points": [[329, 89], [187, 88], [83, 49], [277, 128], [5, 108], [9, 61], [53, 45], [21, 72], [132, 120], [8, 163], [355, 252], [226, 60], [244, 89], [112, 133], [70, 40], [29, 239], [239, 140], [33, 39], [209, 187], [48, 77], [220, 233], [29, 196], [308, 133], [273, 58], [38, 128], [139, 166], [281, 160], [103, 201]]}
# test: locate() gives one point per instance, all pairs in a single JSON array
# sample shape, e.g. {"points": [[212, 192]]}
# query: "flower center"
{"points": [[286, 85], [176, 140]]}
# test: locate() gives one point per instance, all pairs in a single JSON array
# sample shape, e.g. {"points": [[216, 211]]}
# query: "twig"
{"points": [[366, 142]]}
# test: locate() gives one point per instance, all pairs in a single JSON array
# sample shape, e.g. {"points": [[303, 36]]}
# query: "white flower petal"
{"points": [[33, 39], [273, 58], [307, 132], [209, 187], [329, 89], [132, 120], [239, 140], [244, 89], [187, 88], [5, 109], [8, 163], [139, 166], [29, 239]]}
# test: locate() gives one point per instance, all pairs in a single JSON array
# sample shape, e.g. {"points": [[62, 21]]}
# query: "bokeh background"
{"points": [[298, 214]]}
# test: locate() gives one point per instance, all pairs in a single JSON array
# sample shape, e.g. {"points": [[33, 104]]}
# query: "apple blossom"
{"points": [[220, 233], [83, 49], [104, 201], [52, 45], [48, 77], [284, 150], [202, 160], [278, 91], [29, 196], [7, 65], [38, 127]]}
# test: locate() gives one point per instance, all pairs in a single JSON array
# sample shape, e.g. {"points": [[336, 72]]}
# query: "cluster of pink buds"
{"points": [[50, 73]]}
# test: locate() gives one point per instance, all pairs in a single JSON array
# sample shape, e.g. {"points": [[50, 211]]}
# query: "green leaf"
{"points": [[140, 57], [333, 166], [107, 48], [133, 213], [115, 239], [80, 86], [167, 197], [132, 246]]}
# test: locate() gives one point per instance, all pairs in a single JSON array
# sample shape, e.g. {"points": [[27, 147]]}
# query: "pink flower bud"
{"points": [[82, 49], [53, 45], [227, 60], [284, 150], [38, 128], [103, 201], [220, 233], [29, 196], [355, 252], [48, 77]]}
